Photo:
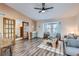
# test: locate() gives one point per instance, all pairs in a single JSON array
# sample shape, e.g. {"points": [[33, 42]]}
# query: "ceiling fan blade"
{"points": [[40, 11], [38, 8], [49, 8], [43, 5]]}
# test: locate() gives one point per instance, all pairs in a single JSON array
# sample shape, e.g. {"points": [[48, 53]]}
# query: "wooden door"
{"points": [[21, 31]]}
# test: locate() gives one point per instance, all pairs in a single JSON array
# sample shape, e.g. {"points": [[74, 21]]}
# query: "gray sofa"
{"points": [[71, 47]]}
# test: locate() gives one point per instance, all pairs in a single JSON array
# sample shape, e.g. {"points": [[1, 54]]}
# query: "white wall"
{"points": [[1, 25], [77, 22], [68, 25]]}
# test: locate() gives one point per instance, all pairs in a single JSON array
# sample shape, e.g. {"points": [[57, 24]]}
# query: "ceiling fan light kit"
{"points": [[43, 11]]}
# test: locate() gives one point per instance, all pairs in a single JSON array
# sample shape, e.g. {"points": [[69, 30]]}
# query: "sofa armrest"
{"points": [[64, 47]]}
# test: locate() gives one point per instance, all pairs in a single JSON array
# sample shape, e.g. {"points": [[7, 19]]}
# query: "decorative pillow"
{"points": [[71, 36]]}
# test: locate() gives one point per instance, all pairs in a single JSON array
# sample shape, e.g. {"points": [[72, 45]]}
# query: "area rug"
{"points": [[52, 49]]}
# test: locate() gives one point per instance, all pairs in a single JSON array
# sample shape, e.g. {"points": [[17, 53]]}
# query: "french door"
{"points": [[9, 29]]}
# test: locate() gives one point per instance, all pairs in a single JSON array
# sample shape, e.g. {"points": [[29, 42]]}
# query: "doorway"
{"points": [[25, 30]]}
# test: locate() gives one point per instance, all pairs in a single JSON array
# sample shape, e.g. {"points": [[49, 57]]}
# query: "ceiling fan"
{"points": [[43, 9]]}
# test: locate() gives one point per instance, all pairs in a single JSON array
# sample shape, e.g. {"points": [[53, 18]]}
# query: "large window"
{"points": [[52, 28]]}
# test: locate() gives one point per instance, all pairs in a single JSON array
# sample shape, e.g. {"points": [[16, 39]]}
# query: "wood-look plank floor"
{"points": [[29, 48]]}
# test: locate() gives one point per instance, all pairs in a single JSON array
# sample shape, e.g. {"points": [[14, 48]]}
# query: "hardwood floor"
{"points": [[29, 48]]}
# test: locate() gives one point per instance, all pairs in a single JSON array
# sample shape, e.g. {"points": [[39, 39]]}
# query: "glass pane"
{"points": [[6, 35], [12, 31], [10, 26], [6, 31], [9, 30], [6, 21], [12, 22], [10, 37], [6, 26]]}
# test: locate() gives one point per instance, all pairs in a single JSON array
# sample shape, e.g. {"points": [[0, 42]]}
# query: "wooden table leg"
{"points": [[10, 51], [1, 51]]}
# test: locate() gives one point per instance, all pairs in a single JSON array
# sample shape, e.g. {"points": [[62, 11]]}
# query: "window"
{"points": [[52, 28]]}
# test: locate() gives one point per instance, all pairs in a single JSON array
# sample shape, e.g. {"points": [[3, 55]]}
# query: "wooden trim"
{"points": [[13, 32]]}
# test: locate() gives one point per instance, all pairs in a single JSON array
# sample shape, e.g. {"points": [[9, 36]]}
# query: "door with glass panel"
{"points": [[25, 30], [9, 29]]}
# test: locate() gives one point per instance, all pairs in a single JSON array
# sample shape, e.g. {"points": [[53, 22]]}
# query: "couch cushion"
{"points": [[72, 51], [73, 43]]}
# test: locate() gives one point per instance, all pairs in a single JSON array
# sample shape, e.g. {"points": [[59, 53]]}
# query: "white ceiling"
{"points": [[60, 10]]}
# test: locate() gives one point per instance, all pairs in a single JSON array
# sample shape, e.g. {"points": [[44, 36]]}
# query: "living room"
{"points": [[37, 27]]}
